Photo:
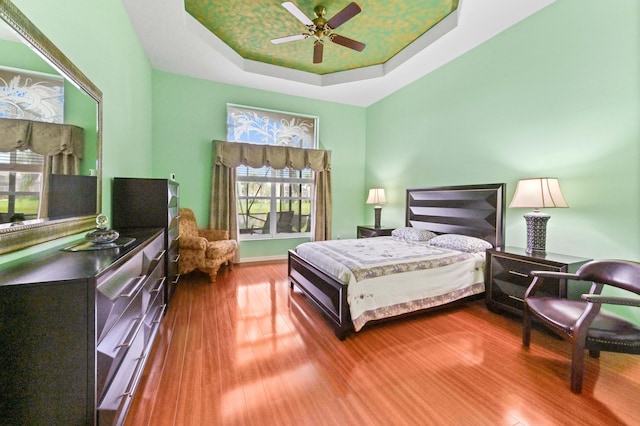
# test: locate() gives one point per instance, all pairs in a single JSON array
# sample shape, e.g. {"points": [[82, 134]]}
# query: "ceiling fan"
{"points": [[320, 28]]}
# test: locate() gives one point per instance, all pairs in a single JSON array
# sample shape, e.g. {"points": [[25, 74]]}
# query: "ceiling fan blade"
{"points": [[351, 10], [347, 42], [289, 38], [295, 11], [318, 47]]}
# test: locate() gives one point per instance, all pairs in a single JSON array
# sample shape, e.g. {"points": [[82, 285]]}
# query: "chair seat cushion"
{"points": [[218, 249], [563, 314]]}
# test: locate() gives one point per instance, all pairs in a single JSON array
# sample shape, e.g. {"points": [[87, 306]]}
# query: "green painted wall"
{"points": [[189, 113], [556, 95], [98, 37]]}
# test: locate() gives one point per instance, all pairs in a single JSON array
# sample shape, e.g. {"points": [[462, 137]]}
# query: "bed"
{"points": [[471, 210]]}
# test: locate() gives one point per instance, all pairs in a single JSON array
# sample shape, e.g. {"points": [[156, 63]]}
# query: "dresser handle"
{"points": [[136, 287], [160, 282], [132, 335], [175, 280], [158, 258], [515, 298], [520, 274], [133, 384], [159, 315]]}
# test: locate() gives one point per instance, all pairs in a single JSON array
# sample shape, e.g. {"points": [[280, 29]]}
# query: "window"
{"points": [[270, 202], [20, 183]]}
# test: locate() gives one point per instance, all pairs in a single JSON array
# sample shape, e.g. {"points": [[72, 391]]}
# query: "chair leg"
{"points": [[577, 366], [213, 274]]}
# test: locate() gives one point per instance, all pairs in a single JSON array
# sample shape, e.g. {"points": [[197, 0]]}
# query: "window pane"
{"points": [[259, 126], [4, 181], [294, 190], [28, 182], [27, 204]]}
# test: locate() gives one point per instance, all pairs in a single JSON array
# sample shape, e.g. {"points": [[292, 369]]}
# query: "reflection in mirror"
{"points": [[50, 125]]}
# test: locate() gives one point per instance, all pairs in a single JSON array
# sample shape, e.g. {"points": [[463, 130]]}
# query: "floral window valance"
{"points": [[46, 139], [234, 154]]}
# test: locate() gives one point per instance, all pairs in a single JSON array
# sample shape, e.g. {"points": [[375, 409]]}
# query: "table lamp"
{"points": [[376, 196], [537, 193]]}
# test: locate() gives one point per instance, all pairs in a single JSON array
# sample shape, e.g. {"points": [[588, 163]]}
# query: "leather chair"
{"points": [[203, 249], [582, 322]]}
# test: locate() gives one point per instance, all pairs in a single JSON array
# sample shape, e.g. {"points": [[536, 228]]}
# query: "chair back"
{"points": [[618, 273], [285, 221], [188, 225]]}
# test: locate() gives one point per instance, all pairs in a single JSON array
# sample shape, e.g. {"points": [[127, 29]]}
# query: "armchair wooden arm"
{"points": [[539, 277]]}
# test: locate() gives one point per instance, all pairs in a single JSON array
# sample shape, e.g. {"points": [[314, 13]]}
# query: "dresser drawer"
{"points": [[153, 288], [115, 401], [117, 344]]}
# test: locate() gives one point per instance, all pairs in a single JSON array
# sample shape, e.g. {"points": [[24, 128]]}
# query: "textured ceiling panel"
{"points": [[386, 27]]}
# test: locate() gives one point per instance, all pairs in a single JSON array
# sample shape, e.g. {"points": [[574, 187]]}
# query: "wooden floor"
{"points": [[248, 351]]}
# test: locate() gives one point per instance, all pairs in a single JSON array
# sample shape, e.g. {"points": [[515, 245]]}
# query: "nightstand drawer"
{"points": [[508, 275], [511, 278]]}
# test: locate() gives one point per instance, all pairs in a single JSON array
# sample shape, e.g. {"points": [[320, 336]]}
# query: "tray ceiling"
{"points": [[385, 27], [175, 42]]}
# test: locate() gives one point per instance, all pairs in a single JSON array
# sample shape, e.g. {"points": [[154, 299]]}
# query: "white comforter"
{"points": [[389, 276]]}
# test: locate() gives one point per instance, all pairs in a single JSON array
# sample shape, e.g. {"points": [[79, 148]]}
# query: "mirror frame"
{"points": [[23, 236]]}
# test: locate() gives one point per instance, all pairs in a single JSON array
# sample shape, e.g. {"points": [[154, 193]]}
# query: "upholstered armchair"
{"points": [[203, 249], [582, 322]]}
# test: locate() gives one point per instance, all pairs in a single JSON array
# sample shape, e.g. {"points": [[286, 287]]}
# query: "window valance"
{"points": [[46, 139], [234, 154]]}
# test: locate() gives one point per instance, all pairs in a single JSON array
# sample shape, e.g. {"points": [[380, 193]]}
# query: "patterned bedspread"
{"points": [[388, 276]]}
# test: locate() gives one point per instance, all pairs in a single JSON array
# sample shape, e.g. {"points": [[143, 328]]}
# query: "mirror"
{"points": [[81, 91]]}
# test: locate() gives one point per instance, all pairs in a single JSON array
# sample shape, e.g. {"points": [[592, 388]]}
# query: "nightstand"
{"points": [[508, 275], [370, 231]]}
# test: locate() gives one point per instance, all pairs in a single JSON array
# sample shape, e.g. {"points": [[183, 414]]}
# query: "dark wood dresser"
{"points": [[153, 203], [76, 328]]}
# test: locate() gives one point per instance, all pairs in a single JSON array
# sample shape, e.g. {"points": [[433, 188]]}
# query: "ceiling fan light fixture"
{"points": [[319, 28]]}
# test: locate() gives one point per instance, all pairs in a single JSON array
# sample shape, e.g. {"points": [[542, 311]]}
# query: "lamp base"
{"points": [[536, 231], [377, 211]]}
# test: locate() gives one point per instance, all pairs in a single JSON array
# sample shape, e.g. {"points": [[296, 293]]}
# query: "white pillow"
{"points": [[460, 242], [413, 234]]}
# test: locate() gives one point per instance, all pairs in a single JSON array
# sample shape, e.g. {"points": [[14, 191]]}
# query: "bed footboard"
{"points": [[328, 294]]}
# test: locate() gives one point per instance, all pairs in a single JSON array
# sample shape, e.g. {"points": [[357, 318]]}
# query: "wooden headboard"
{"points": [[474, 210]]}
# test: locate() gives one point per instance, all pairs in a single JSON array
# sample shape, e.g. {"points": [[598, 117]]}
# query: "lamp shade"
{"points": [[376, 196], [538, 193]]}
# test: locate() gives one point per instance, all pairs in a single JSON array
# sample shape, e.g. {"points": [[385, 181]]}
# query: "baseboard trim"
{"points": [[259, 259]]}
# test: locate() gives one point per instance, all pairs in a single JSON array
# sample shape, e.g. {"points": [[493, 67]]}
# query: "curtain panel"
{"points": [[229, 155]]}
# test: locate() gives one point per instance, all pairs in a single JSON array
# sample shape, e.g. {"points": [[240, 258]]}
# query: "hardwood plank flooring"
{"points": [[249, 351]]}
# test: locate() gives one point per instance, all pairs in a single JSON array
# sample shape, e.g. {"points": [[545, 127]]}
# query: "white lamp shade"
{"points": [[376, 196], [538, 193]]}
